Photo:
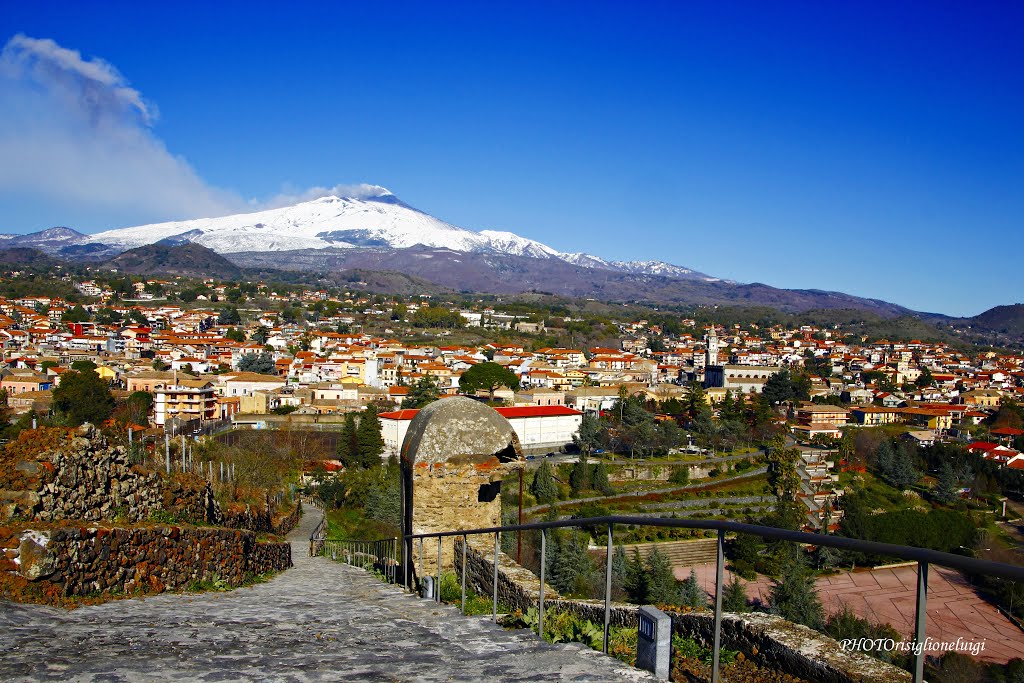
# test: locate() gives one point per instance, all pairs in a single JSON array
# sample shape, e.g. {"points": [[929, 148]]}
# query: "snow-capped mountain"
{"points": [[374, 219]]}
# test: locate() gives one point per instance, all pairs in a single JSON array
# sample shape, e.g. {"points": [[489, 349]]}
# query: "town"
{"points": [[804, 426]]}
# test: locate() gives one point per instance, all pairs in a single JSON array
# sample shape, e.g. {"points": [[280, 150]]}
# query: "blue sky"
{"points": [[872, 148]]}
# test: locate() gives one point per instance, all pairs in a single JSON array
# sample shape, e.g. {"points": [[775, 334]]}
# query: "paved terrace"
{"points": [[320, 621], [889, 595]]}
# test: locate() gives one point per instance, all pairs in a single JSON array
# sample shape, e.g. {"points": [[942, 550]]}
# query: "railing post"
{"points": [[494, 606], [921, 622], [543, 562], [438, 589], [421, 558], [719, 585], [463, 574], [394, 562], [607, 589]]}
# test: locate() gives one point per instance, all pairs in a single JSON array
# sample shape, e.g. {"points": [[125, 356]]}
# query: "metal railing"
{"points": [[317, 538], [924, 557], [381, 554]]}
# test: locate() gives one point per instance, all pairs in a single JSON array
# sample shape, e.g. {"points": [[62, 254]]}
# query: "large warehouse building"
{"points": [[540, 429]]}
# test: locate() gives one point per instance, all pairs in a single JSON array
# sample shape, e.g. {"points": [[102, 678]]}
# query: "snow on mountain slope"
{"points": [[652, 268], [326, 222], [376, 219]]}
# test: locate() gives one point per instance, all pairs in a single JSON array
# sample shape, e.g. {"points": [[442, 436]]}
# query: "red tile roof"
{"points": [[507, 413]]}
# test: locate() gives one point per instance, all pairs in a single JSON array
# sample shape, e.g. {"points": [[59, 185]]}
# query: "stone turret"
{"points": [[454, 457]]}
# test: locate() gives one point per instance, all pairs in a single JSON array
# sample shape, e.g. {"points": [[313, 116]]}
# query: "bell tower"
{"points": [[711, 346]]}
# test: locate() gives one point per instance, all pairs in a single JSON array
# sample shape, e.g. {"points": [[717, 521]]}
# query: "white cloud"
{"points": [[289, 197], [74, 130]]}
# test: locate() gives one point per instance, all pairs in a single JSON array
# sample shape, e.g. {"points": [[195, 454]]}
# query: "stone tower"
{"points": [[454, 457], [711, 339]]}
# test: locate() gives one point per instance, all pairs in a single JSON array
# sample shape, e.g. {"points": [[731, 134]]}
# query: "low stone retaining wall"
{"points": [[83, 560], [764, 638], [265, 519]]}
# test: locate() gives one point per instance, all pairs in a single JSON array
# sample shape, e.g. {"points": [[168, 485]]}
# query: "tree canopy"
{"points": [[83, 397], [423, 393], [263, 363], [487, 376]]}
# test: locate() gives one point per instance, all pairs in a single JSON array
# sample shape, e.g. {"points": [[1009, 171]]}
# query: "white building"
{"points": [[540, 429]]}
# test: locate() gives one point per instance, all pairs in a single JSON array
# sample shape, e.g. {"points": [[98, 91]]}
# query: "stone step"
{"points": [[679, 553]]}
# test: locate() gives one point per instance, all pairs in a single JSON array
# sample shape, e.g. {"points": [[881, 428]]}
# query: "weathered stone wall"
{"points": [[264, 519], [657, 472], [82, 560], [518, 588], [80, 476], [448, 497], [767, 639], [785, 646]]}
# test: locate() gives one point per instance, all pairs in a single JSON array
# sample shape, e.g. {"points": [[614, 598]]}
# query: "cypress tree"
{"points": [[579, 478], [599, 479], [544, 488], [368, 435], [620, 567], [348, 443]]}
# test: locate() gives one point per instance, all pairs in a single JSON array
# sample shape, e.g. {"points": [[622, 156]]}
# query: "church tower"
{"points": [[711, 344]]}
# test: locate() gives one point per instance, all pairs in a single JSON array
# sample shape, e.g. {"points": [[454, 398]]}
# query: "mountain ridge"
{"points": [[376, 231], [373, 219]]}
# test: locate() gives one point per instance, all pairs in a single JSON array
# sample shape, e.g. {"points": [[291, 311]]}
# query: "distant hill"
{"points": [[187, 259], [505, 274], [25, 257], [1007, 320]]}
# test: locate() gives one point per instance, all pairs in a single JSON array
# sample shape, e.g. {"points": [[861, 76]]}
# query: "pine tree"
{"points": [[794, 596], [734, 596], [903, 473], [544, 488], [588, 437], [368, 434], [572, 570], [662, 587], [885, 458], [947, 489], [691, 594], [620, 567], [423, 393], [635, 583]]}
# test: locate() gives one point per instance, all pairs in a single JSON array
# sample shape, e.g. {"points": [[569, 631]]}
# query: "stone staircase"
{"points": [[679, 553]]}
